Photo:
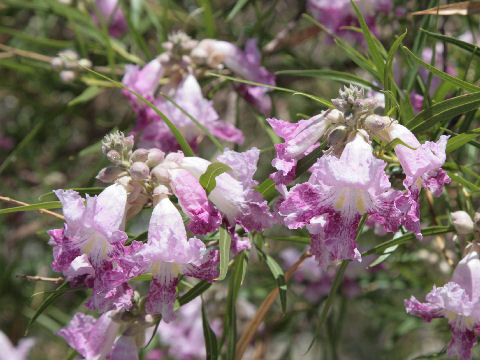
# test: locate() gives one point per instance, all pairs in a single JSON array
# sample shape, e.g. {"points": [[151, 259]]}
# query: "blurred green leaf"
{"points": [[207, 179], [464, 182], [472, 48], [40, 206], [279, 277], [87, 95], [236, 9], [210, 337], [194, 292], [458, 141], [224, 245]]}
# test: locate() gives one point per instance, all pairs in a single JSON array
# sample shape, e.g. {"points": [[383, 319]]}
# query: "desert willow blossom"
{"points": [[349, 180]]}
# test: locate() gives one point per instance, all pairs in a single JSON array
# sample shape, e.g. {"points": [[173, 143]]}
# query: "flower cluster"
{"points": [[349, 181], [69, 63], [182, 62], [92, 248]]}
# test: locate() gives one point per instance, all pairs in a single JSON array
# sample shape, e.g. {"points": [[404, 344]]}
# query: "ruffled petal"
{"points": [[162, 294], [463, 340]]}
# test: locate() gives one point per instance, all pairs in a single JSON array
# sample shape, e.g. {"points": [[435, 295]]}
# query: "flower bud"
{"points": [[85, 63], [67, 76], [377, 122], [476, 221], [160, 174], [110, 174], [114, 156], [56, 63], [463, 222], [139, 171], [337, 135], [139, 155], [155, 157]]}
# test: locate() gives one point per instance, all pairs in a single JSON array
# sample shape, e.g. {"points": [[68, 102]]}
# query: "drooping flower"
{"points": [[339, 191], [112, 16], [422, 164], [234, 195], [10, 352], [184, 336], [168, 253], [188, 95], [301, 138], [93, 232], [459, 302]]}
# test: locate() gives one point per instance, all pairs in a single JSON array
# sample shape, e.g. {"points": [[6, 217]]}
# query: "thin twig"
{"points": [[21, 203], [57, 280], [253, 325]]}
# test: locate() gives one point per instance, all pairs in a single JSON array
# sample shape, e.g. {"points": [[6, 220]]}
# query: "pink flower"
{"points": [[234, 195], [112, 16], [339, 191], [458, 301], [167, 254], [301, 138], [10, 352], [89, 248]]}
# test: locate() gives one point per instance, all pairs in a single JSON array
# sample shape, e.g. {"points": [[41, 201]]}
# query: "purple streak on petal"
{"points": [[125, 348], [162, 295], [194, 202]]}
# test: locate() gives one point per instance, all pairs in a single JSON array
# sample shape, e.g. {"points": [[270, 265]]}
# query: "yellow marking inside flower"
{"points": [[175, 269], [360, 202], [156, 268], [104, 250], [419, 182], [87, 248], [451, 316], [340, 201], [469, 322]]}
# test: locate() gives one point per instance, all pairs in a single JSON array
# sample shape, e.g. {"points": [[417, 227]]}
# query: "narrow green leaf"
{"points": [[342, 77], [455, 81], [464, 182], [40, 206], [49, 300], [224, 245], [389, 251], [197, 290], [474, 49], [373, 49], [389, 81], [444, 111], [279, 277], [397, 141], [324, 102], [154, 332], [267, 189], [210, 337], [87, 95], [236, 9], [458, 141], [428, 231], [196, 122], [176, 133], [207, 179], [208, 18]]}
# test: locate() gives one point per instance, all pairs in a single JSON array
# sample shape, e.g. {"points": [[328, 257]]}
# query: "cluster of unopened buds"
{"points": [[69, 63]]}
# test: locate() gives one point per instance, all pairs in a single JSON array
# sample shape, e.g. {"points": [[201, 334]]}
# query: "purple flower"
{"points": [[167, 254], [143, 81], [339, 191], [87, 250], [234, 196], [188, 95], [10, 352], [243, 63], [301, 138], [184, 336], [92, 338], [422, 167], [337, 14], [112, 16], [458, 301]]}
